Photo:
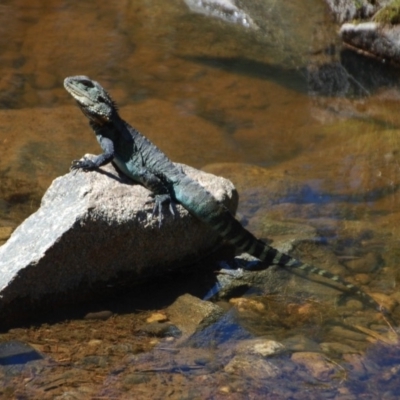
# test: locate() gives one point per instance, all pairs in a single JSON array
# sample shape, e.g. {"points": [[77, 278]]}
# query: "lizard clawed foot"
{"points": [[85, 164], [160, 201]]}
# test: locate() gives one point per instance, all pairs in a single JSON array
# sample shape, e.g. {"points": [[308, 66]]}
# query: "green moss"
{"points": [[389, 14], [358, 4]]}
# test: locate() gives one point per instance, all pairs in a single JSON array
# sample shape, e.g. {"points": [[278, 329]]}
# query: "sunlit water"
{"points": [[308, 135]]}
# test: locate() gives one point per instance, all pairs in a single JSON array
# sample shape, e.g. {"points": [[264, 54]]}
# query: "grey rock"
{"points": [[191, 314], [93, 226], [316, 364], [222, 9], [346, 10], [373, 38]]}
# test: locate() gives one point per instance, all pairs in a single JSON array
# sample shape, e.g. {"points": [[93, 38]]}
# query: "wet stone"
{"points": [[354, 305], [191, 314], [357, 365], [390, 373], [123, 348], [362, 279], [252, 366], [386, 301], [340, 332], [233, 281], [157, 317], [95, 343], [203, 360], [337, 348], [100, 315], [379, 328], [97, 361], [135, 379], [300, 343], [161, 329], [262, 347], [246, 305], [72, 395], [315, 364], [365, 264]]}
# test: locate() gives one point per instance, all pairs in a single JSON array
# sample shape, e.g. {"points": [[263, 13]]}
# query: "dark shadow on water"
{"points": [[370, 73], [291, 78], [352, 76], [15, 352]]}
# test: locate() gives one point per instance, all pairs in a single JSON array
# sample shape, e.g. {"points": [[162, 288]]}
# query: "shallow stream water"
{"points": [[307, 132]]}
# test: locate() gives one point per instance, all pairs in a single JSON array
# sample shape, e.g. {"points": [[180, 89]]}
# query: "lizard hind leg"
{"points": [[160, 202]]}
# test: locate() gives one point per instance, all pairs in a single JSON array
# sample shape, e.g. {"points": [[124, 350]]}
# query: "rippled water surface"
{"points": [[308, 133]]}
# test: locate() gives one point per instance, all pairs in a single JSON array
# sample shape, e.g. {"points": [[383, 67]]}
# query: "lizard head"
{"points": [[93, 100]]}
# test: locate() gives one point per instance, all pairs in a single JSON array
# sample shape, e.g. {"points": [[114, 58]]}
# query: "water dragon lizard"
{"points": [[139, 159]]}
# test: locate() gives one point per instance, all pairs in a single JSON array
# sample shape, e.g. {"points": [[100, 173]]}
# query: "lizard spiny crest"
{"points": [[92, 99]]}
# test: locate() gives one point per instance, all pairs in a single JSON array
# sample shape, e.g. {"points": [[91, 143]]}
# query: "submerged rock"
{"points": [[222, 9], [253, 366], [316, 365], [94, 227], [191, 314], [262, 347]]}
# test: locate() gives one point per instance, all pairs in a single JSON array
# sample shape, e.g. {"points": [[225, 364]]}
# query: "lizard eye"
{"points": [[88, 83], [101, 99]]}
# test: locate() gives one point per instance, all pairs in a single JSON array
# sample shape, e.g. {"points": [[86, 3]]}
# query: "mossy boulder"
{"points": [[389, 14]]}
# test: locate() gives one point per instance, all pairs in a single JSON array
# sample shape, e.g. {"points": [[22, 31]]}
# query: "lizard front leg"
{"points": [[89, 165]]}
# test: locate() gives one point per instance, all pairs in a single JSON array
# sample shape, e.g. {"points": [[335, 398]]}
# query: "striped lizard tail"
{"points": [[233, 232]]}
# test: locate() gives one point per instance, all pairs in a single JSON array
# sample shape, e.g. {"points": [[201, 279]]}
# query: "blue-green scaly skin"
{"points": [[142, 161]]}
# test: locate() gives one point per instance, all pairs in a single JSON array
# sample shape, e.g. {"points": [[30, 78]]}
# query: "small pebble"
{"points": [[102, 315], [157, 317]]}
